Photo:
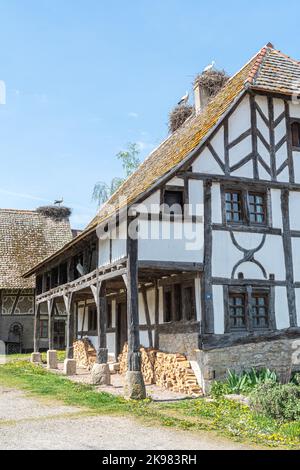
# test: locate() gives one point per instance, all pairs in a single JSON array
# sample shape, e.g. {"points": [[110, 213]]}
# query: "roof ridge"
{"points": [[261, 55]]}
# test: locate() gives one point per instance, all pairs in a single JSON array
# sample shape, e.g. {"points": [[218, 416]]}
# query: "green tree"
{"points": [[130, 161]]}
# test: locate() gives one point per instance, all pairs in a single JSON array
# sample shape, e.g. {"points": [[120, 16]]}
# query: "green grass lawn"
{"points": [[225, 417], [26, 357]]}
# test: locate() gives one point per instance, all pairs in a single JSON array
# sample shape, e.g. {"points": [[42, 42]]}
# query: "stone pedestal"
{"points": [[100, 374], [134, 386], [51, 359], [36, 358], [70, 367]]}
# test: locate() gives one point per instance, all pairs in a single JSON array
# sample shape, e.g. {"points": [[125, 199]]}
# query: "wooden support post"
{"points": [[134, 356], [69, 306], [100, 371], [50, 305], [135, 386], [36, 339], [99, 293], [156, 332]]}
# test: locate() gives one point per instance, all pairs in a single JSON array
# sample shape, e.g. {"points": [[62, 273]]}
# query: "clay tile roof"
{"points": [[26, 238]]}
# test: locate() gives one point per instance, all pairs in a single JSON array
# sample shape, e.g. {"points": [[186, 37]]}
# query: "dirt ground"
{"points": [[35, 424]]}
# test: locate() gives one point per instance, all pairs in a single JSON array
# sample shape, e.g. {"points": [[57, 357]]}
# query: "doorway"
{"points": [[59, 334], [121, 327]]}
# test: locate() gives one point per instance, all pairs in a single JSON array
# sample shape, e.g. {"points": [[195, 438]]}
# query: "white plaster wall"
{"points": [[171, 241], [240, 151], [218, 143], [246, 171], [276, 208], [218, 309], [226, 255], [281, 308], [262, 101], [240, 120], [104, 252], [196, 204], [278, 107], [216, 204], [151, 205], [176, 182], [295, 210], [296, 160], [296, 258], [294, 110], [297, 293], [151, 306], [206, 163], [119, 242]]}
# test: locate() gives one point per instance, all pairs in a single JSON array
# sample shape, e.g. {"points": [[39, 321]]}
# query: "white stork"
{"points": [[184, 99], [209, 67]]}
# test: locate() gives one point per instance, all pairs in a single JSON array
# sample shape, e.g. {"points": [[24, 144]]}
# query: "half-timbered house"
{"points": [[26, 237], [198, 252]]}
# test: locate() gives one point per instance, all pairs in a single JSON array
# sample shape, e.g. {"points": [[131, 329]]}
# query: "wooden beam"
{"points": [[170, 266]]}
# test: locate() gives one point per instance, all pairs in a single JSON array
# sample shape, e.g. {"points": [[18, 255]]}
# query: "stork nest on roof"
{"points": [[57, 213], [179, 115], [212, 81]]}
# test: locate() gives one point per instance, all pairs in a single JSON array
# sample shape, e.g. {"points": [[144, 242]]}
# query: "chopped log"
{"points": [[169, 371]]}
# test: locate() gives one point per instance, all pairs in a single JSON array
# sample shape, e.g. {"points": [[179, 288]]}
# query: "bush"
{"points": [[277, 401]]}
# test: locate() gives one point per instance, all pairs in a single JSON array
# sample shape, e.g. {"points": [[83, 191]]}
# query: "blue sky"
{"points": [[84, 77]]}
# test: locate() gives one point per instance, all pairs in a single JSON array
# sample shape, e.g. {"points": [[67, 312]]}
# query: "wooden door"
{"points": [[59, 334], [122, 329]]}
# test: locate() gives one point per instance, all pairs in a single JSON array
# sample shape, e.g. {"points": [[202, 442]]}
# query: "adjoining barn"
{"points": [[27, 237], [198, 252]]}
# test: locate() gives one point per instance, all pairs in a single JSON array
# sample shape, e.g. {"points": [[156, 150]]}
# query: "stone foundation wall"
{"points": [[282, 356], [182, 343]]}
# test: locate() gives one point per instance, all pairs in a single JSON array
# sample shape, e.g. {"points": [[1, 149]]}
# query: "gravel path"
{"points": [[31, 424]]}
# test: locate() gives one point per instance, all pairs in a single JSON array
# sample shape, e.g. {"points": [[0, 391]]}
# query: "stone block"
{"points": [[36, 358], [100, 374], [114, 367], [70, 367], [134, 386], [51, 359]]}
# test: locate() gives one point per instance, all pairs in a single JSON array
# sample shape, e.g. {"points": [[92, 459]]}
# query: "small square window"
{"points": [[296, 134], [233, 201], [257, 208], [260, 308], [173, 200], [237, 311]]}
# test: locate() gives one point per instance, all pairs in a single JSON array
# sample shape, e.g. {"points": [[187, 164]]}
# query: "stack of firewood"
{"points": [[148, 356], [84, 353], [174, 372], [171, 371]]}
